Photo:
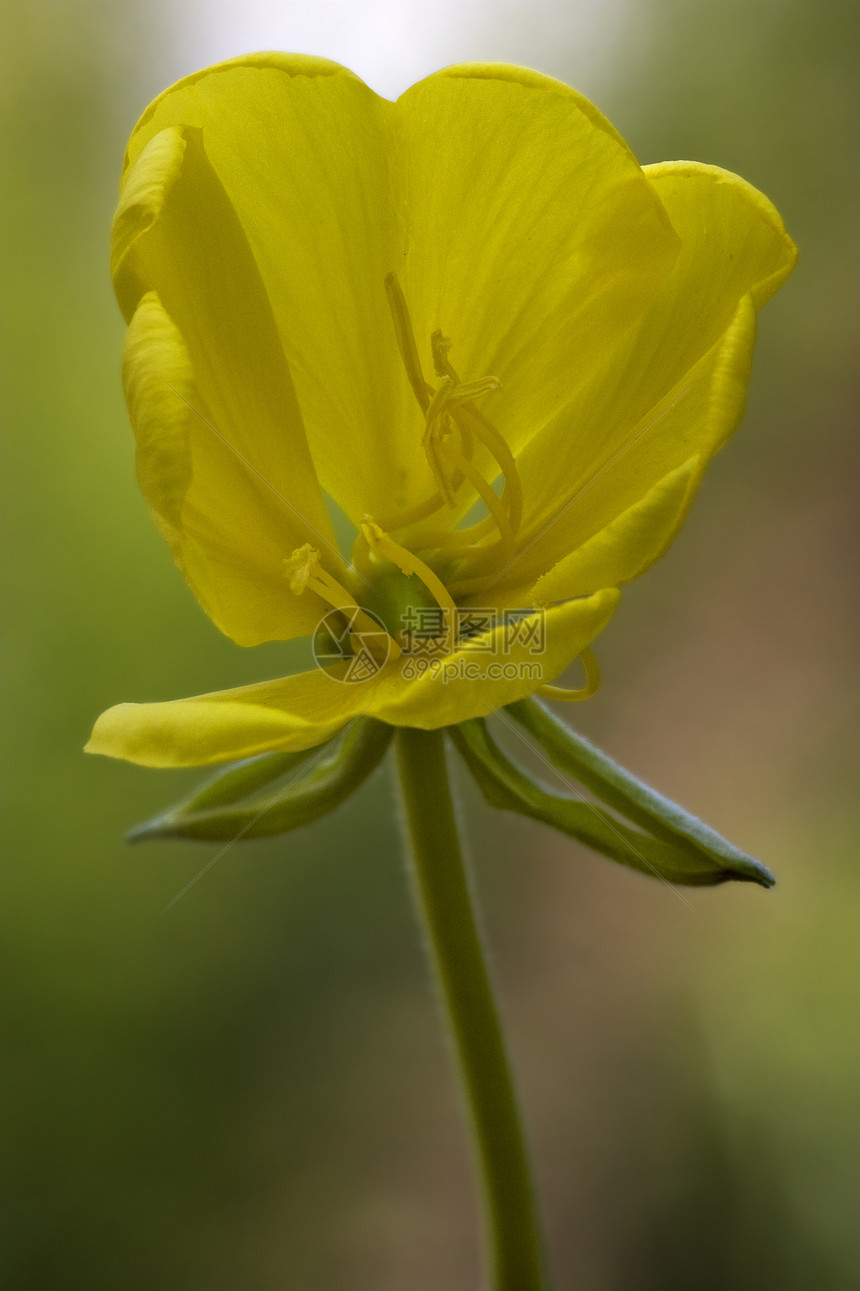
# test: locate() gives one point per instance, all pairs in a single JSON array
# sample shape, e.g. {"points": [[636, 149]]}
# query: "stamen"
{"points": [[436, 409], [453, 541], [469, 586], [305, 571], [442, 409], [592, 681], [472, 390], [420, 512], [435, 429], [492, 440], [431, 448], [299, 567], [490, 499], [483, 429], [406, 341], [378, 540], [467, 440]]}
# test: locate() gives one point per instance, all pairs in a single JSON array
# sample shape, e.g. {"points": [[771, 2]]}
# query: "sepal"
{"points": [[508, 787], [246, 778], [574, 756], [233, 806]]}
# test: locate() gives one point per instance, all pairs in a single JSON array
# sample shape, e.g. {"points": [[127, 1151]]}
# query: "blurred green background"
{"points": [[253, 1091]]}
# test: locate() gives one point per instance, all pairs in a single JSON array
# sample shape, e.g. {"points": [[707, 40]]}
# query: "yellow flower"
{"points": [[471, 320]]}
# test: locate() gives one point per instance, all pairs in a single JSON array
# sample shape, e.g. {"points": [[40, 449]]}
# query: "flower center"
{"points": [[401, 583], [380, 544], [402, 588]]}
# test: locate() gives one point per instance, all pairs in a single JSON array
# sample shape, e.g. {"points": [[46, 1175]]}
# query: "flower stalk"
{"points": [[444, 902]]}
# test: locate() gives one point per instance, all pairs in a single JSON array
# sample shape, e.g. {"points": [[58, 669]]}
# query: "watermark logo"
{"points": [[462, 667], [351, 647]]}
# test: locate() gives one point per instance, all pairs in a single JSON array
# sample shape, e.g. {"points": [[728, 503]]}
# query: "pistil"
{"points": [[408, 563], [449, 410]]}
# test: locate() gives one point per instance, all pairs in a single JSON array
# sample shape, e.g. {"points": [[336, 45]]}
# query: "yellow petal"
{"points": [[534, 239], [496, 669], [698, 413], [300, 712], [734, 247], [292, 713], [514, 216], [222, 455], [727, 225], [627, 546], [301, 147]]}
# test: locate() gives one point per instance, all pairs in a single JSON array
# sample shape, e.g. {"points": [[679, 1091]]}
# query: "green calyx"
{"points": [[629, 823], [654, 836], [247, 801]]}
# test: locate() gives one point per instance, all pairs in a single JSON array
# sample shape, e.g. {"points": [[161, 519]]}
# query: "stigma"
{"points": [[453, 425]]}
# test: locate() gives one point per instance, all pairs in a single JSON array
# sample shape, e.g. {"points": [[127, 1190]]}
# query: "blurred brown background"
{"points": [[253, 1090]]}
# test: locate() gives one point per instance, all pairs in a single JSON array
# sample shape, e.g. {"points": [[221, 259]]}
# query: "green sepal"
{"points": [[231, 806], [244, 779], [508, 787], [575, 756]]}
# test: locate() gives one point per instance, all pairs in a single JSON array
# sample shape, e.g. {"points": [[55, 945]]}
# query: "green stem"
{"points": [[449, 922]]}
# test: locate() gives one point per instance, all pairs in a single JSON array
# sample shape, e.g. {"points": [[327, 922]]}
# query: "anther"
{"points": [[299, 567], [305, 571]]}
